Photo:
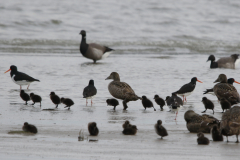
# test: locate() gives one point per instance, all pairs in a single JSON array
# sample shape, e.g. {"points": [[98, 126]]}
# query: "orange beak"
{"points": [[202, 82], [7, 71], [236, 82]]}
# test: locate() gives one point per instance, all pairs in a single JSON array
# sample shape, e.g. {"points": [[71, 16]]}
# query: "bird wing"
{"points": [[89, 91], [22, 76], [189, 87]]}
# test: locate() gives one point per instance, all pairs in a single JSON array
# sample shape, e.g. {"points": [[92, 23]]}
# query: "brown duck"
{"points": [[121, 90], [226, 90], [199, 123], [230, 124]]}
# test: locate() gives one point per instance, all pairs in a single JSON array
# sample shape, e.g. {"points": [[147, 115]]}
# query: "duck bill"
{"points": [[236, 82], [200, 81], [109, 77], [7, 71], [217, 80]]}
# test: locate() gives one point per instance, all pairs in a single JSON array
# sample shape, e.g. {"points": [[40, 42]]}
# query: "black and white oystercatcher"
{"points": [[20, 78], [224, 62], [174, 102], [55, 99], [24, 96], [188, 88], [92, 50], [90, 91]]}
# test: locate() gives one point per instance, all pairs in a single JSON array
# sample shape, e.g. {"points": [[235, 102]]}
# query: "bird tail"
{"points": [[36, 80], [207, 91]]}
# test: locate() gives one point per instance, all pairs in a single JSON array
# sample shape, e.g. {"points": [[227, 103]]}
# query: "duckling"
{"points": [[24, 96], [93, 129], [147, 103], [201, 139], [216, 134], [225, 104], [35, 98], [160, 130], [159, 101], [208, 104], [126, 124], [55, 99], [67, 101], [130, 130], [112, 102], [29, 128]]}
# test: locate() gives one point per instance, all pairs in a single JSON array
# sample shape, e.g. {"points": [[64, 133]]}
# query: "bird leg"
{"points": [[114, 107], [33, 103], [28, 86], [91, 102], [204, 111], [26, 103], [161, 108], [20, 88], [124, 105], [154, 109], [213, 111], [86, 102], [57, 106], [237, 139], [176, 116], [183, 98], [40, 104], [227, 139]]}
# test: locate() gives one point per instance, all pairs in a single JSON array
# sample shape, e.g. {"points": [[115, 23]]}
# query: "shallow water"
{"points": [[159, 47]]}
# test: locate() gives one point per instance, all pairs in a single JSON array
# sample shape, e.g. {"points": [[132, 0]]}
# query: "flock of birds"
{"points": [[224, 91]]}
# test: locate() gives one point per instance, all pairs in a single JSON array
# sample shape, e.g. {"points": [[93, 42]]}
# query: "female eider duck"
{"points": [[121, 90], [199, 123], [224, 62], [92, 50], [226, 90], [230, 124]]}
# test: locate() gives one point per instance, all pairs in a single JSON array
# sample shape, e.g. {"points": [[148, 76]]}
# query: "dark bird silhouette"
{"points": [[188, 88], [90, 91], [93, 129], [160, 130], [226, 90], [35, 98], [225, 104], [208, 104], [230, 124], [112, 102], [126, 124], [55, 99], [159, 101], [29, 128], [121, 90], [24, 96], [20, 78], [224, 62], [174, 102], [216, 133], [147, 103], [229, 81], [199, 123], [67, 101], [201, 139], [92, 50], [130, 130]]}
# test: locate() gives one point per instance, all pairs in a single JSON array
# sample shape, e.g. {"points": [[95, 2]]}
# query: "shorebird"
{"points": [[92, 50], [188, 88], [174, 102], [90, 91], [20, 78]]}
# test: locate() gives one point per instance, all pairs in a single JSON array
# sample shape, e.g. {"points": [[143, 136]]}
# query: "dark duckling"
{"points": [[159, 101], [35, 98], [130, 130], [216, 134], [201, 139], [225, 104], [24, 96], [160, 130], [126, 124], [112, 102], [147, 103], [208, 104], [93, 129], [55, 99], [29, 128], [67, 101]]}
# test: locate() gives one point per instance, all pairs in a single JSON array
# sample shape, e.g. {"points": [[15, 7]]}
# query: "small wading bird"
{"points": [[188, 88], [20, 78], [90, 91], [92, 50]]}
